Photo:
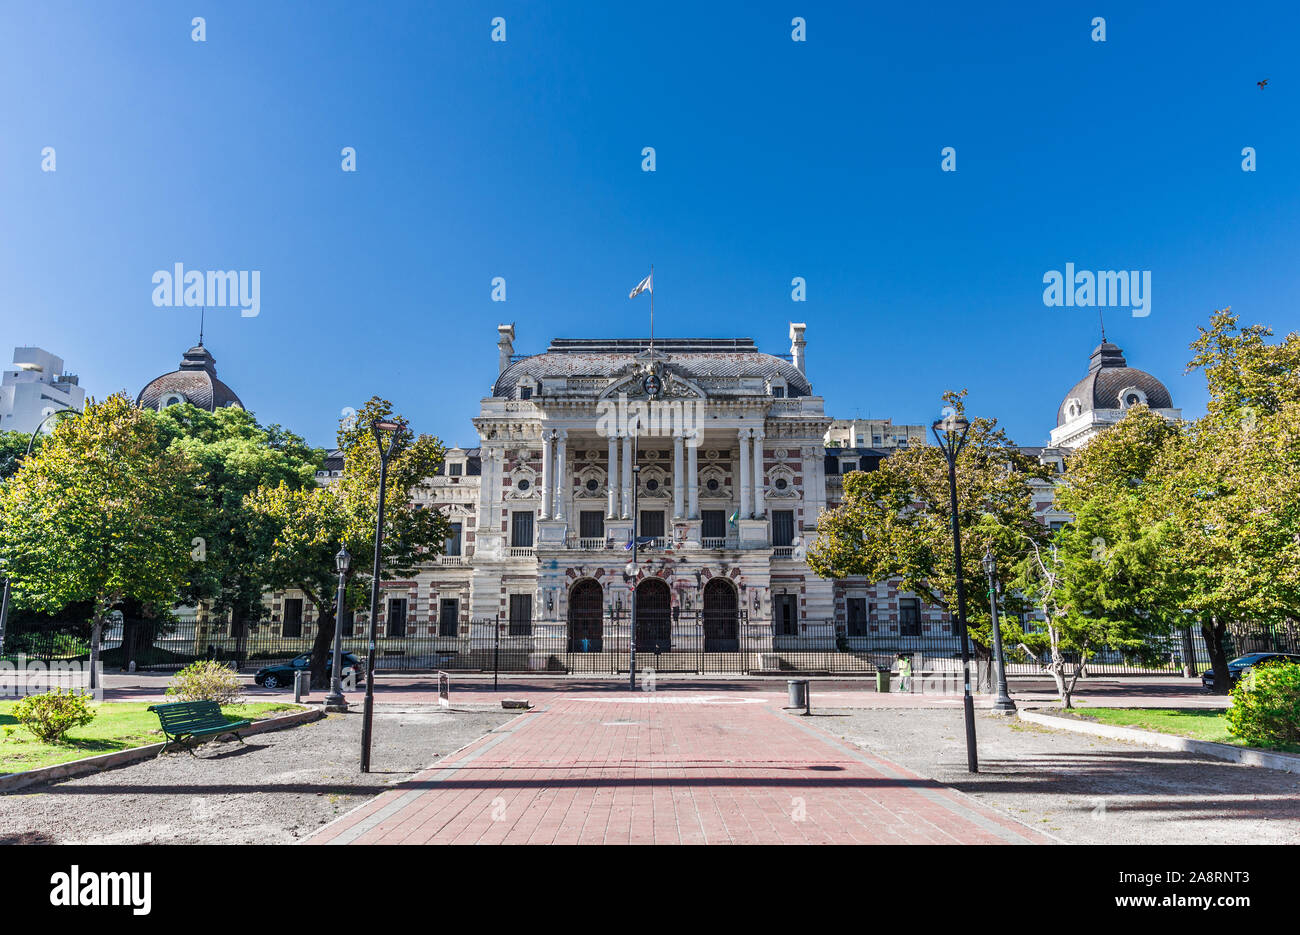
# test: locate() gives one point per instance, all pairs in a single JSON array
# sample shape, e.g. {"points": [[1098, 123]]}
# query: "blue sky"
{"points": [[522, 159]]}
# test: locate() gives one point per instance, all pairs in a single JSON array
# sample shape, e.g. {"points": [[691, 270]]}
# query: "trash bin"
{"points": [[798, 692], [882, 679], [301, 685]]}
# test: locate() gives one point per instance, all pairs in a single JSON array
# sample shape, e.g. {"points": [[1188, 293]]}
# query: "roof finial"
{"points": [[1102, 318], [202, 313]]}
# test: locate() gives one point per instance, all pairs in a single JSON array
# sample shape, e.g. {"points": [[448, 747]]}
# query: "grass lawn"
{"points": [[117, 726], [1196, 723]]}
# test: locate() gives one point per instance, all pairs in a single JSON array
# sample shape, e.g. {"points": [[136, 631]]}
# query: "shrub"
{"points": [[1266, 705], [206, 681], [53, 714]]}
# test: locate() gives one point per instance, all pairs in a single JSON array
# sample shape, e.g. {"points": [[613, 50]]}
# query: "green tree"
{"points": [[231, 543], [896, 522], [100, 513], [313, 522], [1103, 580]]}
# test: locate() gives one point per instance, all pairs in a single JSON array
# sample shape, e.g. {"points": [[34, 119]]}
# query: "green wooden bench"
{"points": [[182, 719]]}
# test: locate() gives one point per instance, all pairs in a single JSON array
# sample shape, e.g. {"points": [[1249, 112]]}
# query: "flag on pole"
{"points": [[735, 516], [645, 285]]}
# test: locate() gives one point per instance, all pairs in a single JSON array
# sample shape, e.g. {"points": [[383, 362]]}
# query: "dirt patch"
{"points": [[277, 788], [1083, 789]]}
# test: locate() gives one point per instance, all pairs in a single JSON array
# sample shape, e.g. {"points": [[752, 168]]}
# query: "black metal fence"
{"points": [[704, 643]]}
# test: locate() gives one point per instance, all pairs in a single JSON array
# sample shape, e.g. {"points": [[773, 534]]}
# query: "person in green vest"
{"points": [[904, 673]]}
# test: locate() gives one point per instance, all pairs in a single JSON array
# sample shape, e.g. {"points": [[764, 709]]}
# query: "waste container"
{"points": [[798, 692], [882, 679], [301, 685]]}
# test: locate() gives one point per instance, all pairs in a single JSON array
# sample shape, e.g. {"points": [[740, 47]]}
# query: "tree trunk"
{"points": [[1214, 632], [322, 662], [1057, 667], [96, 631]]}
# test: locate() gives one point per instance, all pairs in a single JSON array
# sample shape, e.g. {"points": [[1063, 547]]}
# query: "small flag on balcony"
{"points": [[734, 517]]}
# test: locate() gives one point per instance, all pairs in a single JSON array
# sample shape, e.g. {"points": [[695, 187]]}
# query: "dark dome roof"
{"points": [[196, 382], [1108, 376], [700, 359]]}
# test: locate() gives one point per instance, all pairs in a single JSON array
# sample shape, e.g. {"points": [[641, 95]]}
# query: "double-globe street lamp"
{"points": [[1003, 703], [950, 432], [393, 428], [335, 701]]}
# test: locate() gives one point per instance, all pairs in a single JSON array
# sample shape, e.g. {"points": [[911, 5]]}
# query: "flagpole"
{"points": [[652, 306]]}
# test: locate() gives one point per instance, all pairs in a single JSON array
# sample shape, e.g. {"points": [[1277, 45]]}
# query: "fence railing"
{"points": [[600, 643]]}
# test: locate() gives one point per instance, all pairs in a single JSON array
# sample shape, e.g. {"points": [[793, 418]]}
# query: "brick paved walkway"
{"points": [[668, 769]]}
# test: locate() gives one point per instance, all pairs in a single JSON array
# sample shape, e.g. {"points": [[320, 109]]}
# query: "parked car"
{"points": [[1242, 663], [280, 674]]}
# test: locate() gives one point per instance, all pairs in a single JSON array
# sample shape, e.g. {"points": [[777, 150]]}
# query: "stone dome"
{"points": [[195, 383], [1111, 384]]}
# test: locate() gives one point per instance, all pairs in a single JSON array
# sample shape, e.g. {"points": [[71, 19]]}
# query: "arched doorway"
{"points": [[654, 629], [585, 607], [721, 617]]}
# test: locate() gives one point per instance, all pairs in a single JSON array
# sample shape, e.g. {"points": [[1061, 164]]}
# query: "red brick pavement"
{"points": [[668, 769]]}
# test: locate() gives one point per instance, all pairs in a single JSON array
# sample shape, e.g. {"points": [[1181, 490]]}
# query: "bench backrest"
{"points": [[178, 716]]}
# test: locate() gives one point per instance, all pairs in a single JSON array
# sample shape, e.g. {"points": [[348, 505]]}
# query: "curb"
{"points": [[95, 764], [1246, 756]]}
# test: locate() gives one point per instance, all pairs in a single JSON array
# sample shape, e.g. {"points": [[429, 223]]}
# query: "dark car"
{"points": [[280, 674], [1242, 663]]}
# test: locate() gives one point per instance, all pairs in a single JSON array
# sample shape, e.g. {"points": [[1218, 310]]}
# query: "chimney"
{"points": [[505, 344], [797, 344]]}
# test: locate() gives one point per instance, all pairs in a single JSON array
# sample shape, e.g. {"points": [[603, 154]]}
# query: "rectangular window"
{"points": [[909, 617], [521, 614], [396, 616], [455, 470], [525, 392], [591, 524], [448, 616], [714, 524], [857, 622], [782, 527], [832, 465], [778, 392], [521, 530], [652, 523], [452, 544], [292, 617], [786, 607]]}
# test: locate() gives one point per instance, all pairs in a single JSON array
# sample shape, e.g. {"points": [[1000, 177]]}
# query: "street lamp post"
{"points": [[1003, 703], [631, 570], [335, 701], [4, 598], [393, 428], [950, 433]]}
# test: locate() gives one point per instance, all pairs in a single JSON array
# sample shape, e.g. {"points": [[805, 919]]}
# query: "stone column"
{"points": [[612, 478], [679, 476], [484, 487], [693, 476], [759, 474], [544, 485], [560, 483], [744, 473], [627, 476]]}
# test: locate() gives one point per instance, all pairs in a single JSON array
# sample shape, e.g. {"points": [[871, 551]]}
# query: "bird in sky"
{"points": [[1262, 83]]}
